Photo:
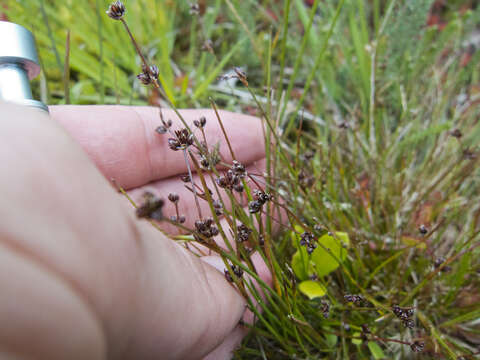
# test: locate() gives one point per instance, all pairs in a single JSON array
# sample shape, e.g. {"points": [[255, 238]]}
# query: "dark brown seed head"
{"points": [[194, 9], [173, 197], [254, 206], [174, 144], [214, 231], [185, 178], [366, 329], [456, 133], [243, 233], [438, 261], [469, 154], [154, 72], [116, 10], [238, 187], [261, 240], [222, 181], [241, 75], [311, 248], [325, 308], [417, 346], [237, 271], [200, 123], [356, 299], [262, 197], [145, 78], [151, 208], [204, 163], [238, 168], [409, 323], [161, 129], [183, 139], [423, 230]]}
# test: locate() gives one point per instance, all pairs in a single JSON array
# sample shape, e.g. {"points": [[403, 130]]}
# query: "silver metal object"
{"points": [[18, 65]]}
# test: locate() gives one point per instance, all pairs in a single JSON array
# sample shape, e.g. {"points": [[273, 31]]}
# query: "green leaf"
{"points": [[321, 262], [301, 265], [294, 235], [357, 341], [329, 250], [313, 289], [331, 340], [376, 350]]}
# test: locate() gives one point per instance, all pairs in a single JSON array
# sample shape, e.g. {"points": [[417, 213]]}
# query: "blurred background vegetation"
{"points": [[386, 95]]}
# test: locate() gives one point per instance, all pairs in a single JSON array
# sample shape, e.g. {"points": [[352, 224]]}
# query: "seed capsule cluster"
{"points": [[404, 314], [308, 239]]}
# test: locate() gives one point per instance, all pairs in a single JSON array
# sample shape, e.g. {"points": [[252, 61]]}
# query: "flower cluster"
{"points": [[422, 229], [325, 309], [261, 198], [238, 169], [438, 263], [308, 239], [243, 233], [149, 75], [237, 271], [218, 207], [404, 314], [116, 10], [200, 123], [417, 346], [357, 300], [206, 228], [182, 140], [230, 181]]}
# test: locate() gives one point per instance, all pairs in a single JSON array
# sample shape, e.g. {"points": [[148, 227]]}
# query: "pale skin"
{"points": [[80, 276]]}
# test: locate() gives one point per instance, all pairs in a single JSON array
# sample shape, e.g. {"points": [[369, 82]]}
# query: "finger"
{"points": [[187, 205], [136, 288], [123, 143], [225, 350]]}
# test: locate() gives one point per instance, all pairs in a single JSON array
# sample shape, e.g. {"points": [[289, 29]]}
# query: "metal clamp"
{"points": [[18, 65]]}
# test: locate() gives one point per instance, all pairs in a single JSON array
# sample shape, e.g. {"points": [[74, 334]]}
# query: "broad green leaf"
{"points": [[357, 341], [294, 235], [313, 289], [376, 350], [321, 262], [329, 250], [331, 340], [301, 265]]}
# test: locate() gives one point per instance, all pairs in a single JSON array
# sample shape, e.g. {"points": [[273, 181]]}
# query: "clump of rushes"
{"points": [[389, 159]]}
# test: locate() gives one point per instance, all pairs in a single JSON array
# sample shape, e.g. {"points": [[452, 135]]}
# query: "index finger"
{"points": [[123, 143]]}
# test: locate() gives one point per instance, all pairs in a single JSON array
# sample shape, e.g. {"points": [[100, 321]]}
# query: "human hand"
{"points": [[91, 281]]}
